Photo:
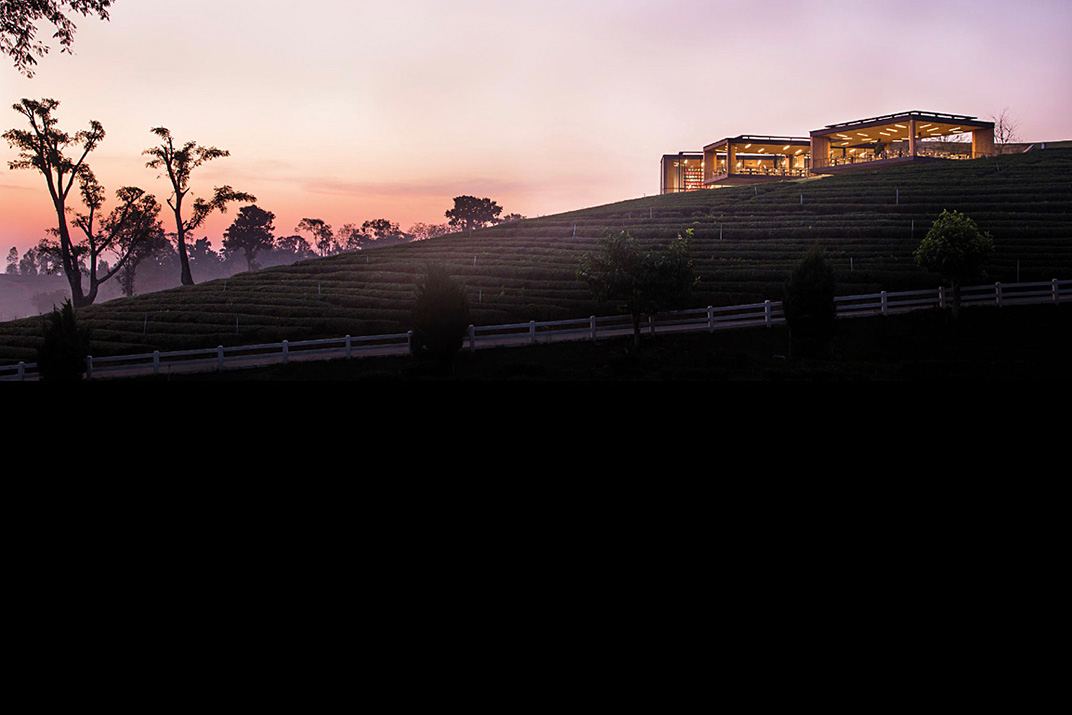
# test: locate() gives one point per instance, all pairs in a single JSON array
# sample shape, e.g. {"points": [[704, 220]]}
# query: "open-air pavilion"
{"points": [[899, 139], [750, 159]]}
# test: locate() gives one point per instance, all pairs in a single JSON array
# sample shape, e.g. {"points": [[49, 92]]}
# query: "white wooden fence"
{"points": [[767, 313]]}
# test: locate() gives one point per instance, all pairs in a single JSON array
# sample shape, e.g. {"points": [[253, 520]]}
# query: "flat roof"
{"points": [[761, 144], [932, 124]]}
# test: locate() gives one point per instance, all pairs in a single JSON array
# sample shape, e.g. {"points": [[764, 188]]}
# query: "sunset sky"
{"points": [[348, 110]]}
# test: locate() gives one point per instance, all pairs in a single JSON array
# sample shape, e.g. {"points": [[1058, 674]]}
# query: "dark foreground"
{"points": [[1032, 343]]}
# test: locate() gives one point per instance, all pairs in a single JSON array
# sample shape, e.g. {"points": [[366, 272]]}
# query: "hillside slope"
{"points": [[747, 241]]}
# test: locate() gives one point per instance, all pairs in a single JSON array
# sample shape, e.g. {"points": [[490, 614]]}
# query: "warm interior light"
{"points": [[785, 147], [746, 146], [901, 126]]}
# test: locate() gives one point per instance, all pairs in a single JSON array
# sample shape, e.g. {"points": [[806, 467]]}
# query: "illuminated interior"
{"points": [[754, 159], [900, 138], [681, 172]]}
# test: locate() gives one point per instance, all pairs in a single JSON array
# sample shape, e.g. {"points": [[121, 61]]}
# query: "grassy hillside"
{"points": [[747, 241]]}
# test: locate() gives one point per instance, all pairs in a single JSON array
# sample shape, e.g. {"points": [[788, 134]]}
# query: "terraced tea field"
{"points": [[746, 242]]}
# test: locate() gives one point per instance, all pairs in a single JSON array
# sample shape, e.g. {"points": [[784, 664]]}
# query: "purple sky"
{"points": [[348, 110]]}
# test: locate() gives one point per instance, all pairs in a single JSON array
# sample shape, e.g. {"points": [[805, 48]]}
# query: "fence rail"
{"points": [[767, 313]]}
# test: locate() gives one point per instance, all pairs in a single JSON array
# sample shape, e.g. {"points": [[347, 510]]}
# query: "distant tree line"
{"points": [[94, 246]]}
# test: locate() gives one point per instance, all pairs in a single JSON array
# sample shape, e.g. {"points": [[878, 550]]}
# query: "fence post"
{"points": [[767, 312], [885, 304], [941, 297], [219, 357], [651, 324], [22, 371], [89, 367], [710, 319], [1056, 292], [997, 293], [348, 352], [286, 351], [156, 362], [472, 338], [532, 331], [592, 323]]}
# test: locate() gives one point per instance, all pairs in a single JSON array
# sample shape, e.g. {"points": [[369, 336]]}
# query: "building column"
{"points": [[982, 142], [912, 138], [731, 158]]}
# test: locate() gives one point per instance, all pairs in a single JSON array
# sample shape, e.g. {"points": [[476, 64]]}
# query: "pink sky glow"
{"points": [[348, 110]]}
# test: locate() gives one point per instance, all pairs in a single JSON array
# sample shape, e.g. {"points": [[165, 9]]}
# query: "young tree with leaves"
{"points": [[179, 163], [642, 282], [957, 250], [18, 26], [251, 232]]}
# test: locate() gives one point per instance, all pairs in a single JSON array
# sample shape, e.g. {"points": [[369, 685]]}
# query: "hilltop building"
{"points": [[873, 143], [750, 159], [680, 172], [897, 139]]}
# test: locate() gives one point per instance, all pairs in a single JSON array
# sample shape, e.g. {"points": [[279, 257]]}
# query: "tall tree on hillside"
{"points": [[179, 163], [251, 232], [13, 261], [18, 26], [470, 212], [44, 147]]}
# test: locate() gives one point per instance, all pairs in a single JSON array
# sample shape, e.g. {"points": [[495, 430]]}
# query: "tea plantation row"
{"points": [[746, 241]]}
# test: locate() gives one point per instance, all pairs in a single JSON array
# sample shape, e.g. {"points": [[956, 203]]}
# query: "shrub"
{"points": [[440, 316], [809, 306], [63, 352]]}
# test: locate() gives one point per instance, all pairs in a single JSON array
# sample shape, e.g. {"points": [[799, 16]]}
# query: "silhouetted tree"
{"points": [[351, 238], [121, 232], [251, 232], [1006, 129], [421, 231], [65, 346], [382, 232], [440, 316], [179, 163], [18, 26], [13, 261], [642, 282], [295, 245], [470, 212], [43, 147], [955, 249], [810, 311], [155, 246], [323, 238]]}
